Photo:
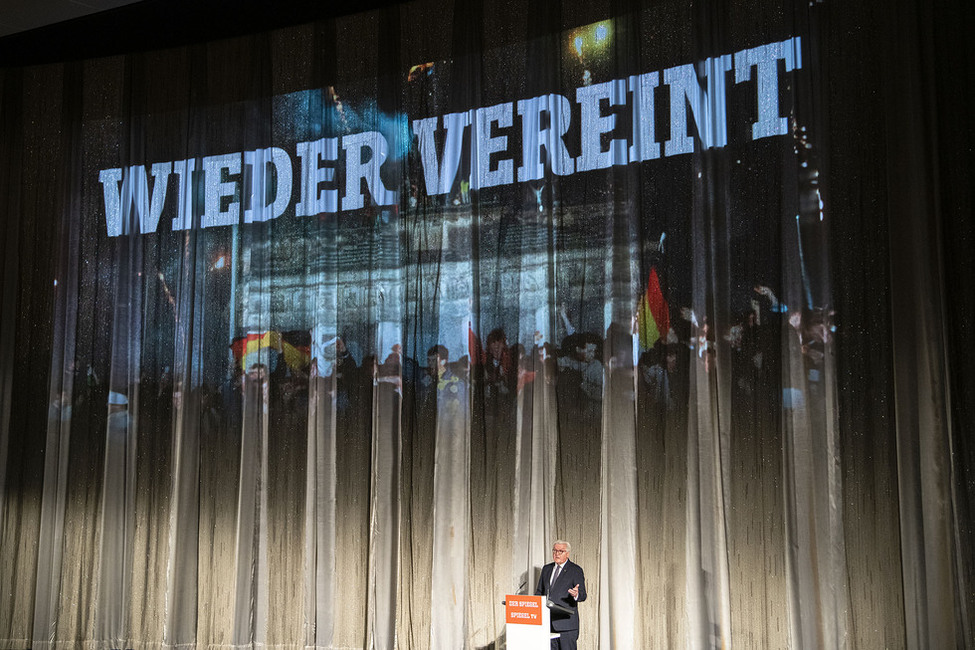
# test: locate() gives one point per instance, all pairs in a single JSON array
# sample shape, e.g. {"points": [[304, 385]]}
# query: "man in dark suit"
{"points": [[565, 585]]}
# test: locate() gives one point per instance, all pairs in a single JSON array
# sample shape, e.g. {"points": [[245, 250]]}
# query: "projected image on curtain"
{"points": [[340, 361]]}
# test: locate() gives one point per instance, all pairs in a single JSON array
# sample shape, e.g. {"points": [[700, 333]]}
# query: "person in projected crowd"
{"points": [[580, 362], [439, 378], [658, 367], [499, 370], [564, 584], [344, 375], [581, 365]]}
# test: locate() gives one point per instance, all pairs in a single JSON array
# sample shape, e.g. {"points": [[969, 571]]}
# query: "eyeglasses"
{"points": [[557, 551]]}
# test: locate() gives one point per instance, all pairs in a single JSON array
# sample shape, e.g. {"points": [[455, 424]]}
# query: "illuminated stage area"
{"points": [[333, 329]]}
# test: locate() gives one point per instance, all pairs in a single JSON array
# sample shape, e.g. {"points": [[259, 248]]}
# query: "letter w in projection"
{"points": [[133, 202]]}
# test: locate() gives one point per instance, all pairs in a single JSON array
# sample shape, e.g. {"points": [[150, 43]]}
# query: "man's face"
{"points": [[560, 553]]}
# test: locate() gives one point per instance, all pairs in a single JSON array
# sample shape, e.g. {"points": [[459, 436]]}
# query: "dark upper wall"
{"points": [[154, 24]]}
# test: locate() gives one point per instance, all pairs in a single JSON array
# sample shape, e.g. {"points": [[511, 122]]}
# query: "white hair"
{"points": [[568, 546]]}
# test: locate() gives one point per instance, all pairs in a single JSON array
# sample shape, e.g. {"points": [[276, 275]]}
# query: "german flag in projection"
{"points": [[251, 348], [653, 315]]}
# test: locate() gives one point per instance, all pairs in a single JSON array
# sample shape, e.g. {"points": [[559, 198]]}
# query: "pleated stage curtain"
{"points": [[320, 337]]}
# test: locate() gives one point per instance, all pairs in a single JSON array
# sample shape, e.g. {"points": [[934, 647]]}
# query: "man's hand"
{"points": [[574, 592]]}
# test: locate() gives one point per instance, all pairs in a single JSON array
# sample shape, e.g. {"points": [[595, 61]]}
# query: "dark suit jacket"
{"points": [[571, 576]]}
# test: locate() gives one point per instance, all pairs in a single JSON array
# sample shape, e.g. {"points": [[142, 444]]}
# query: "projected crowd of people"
{"points": [[492, 374]]}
